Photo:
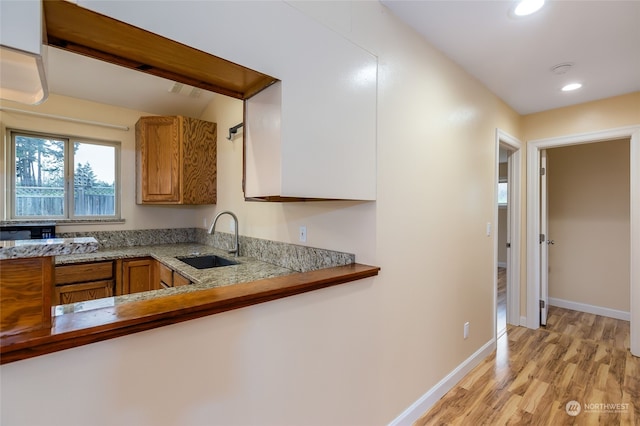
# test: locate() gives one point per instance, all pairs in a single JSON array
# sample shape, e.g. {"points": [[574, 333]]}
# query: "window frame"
{"points": [[69, 173]]}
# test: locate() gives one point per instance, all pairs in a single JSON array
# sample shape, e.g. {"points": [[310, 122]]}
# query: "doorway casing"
{"points": [[534, 148], [510, 143]]}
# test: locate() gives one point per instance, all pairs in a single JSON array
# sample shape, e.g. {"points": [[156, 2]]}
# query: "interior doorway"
{"points": [[508, 230], [502, 230], [535, 239], [587, 228]]}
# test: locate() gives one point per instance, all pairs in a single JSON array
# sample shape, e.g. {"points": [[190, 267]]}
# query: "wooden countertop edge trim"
{"points": [[82, 328]]}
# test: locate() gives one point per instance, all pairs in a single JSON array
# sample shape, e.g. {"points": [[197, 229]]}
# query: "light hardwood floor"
{"points": [[501, 312], [533, 374]]}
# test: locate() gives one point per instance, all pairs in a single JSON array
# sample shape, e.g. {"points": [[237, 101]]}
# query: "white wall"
{"points": [[356, 354]]}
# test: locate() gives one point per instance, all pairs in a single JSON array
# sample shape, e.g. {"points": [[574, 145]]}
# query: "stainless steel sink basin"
{"points": [[206, 261]]}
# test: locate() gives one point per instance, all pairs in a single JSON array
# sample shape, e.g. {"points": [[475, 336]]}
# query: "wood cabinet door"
{"points": [[138, 275], [199, 153], [158, 168], [25, 294]]}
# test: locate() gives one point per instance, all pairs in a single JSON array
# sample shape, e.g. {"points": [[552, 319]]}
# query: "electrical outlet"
{"points": [[302, 235], [466, 329]]}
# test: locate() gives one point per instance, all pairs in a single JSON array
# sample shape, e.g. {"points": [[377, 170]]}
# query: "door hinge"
{"points": [[542, 304], [508, 245], [542, 238], [543, 171]]}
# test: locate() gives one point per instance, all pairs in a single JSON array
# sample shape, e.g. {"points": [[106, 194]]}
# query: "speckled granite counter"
{"points": [[248, 269], [264, 258], [51, 247], [300, 258]]}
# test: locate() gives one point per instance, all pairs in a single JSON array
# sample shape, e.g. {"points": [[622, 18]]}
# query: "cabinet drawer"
{"points": [[73, 293], [83, 272]]}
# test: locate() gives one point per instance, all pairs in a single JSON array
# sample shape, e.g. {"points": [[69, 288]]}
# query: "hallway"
{"points": [[533, 374]]}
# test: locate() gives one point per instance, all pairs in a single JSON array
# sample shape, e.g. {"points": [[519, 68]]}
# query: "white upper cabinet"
{"points": [[313, 134], [22, 74], [21, 25]]}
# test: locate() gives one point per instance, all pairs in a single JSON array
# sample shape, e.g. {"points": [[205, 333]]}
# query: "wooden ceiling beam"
{"points": [[79, 30]]}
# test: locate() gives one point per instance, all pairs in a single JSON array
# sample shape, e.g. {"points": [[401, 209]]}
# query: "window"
{"points": [[62, 177], [502, 193]]}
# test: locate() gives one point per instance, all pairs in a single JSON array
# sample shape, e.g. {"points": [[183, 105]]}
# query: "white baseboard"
{"points": [[590, 309], [523, 321], [502, 264], [426, 401]]}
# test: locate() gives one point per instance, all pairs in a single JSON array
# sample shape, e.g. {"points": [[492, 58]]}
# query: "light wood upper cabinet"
{"points": [[175, 160]]}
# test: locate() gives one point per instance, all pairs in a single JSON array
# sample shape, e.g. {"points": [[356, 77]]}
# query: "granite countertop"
{"points": [[248, 269], [20, 249]]}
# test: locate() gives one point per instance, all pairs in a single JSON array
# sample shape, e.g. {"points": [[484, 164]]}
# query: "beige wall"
{"points": [[590, 224], [607, 113]]}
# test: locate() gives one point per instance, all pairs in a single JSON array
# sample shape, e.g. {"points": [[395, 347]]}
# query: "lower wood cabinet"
{"points": [[25, 294], [139, 275], [170, 278], [79, 282]]}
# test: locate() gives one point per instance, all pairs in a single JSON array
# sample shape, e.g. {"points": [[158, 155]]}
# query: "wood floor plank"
{"points": [[533, 374]]}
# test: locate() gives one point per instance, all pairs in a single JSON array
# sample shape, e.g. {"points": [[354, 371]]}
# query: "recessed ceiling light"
{"points": [[571, 86], [527, 7]]}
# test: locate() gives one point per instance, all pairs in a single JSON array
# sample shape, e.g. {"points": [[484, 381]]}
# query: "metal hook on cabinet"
{"points": [[233, 130]]}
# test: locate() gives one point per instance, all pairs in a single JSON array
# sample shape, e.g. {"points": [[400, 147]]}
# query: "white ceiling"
{"points": [[513, 56]]}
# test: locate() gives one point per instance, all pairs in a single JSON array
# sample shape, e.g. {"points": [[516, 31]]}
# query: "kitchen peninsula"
{"points": [[255, 281]]}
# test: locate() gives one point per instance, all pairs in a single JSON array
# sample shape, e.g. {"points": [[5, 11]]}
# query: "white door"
{"points": [[544, 240]]}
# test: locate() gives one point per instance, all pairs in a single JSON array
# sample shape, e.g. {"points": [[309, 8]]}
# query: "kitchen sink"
{"points": [[206, 261]]}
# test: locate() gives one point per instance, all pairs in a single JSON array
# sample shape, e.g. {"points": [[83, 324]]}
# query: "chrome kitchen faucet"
{"points": [[236, 249]]}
